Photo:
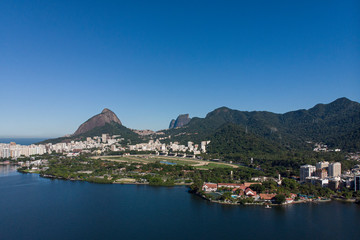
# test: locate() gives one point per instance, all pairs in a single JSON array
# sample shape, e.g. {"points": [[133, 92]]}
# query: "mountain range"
{"points": [[336, 124]]}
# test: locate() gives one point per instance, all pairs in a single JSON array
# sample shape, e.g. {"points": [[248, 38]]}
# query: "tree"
{"points": [[269, 184], [290, 184], [196, 186], [226, 196], [280, 199], [257, 187]]}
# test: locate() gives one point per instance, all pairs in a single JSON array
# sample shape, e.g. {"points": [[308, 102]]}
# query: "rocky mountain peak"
{"points": [[99, 120], [181, 121], [106, 110], [172, 124]]}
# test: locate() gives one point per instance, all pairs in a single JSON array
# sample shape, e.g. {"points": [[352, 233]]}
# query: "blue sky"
{"points": [[62, 62]]}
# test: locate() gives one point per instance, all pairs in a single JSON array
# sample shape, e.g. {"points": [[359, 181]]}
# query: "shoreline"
{"points": [[263, 203], [198, 194], [124, 183]]}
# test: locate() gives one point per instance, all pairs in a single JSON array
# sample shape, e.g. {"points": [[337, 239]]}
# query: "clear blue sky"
{"points": [[62, 62]]}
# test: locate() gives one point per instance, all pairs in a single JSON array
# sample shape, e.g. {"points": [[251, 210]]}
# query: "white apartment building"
{"points": [[306, 171], [334, 169]]}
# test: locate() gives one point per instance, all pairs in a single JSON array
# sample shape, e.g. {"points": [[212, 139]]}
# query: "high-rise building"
{"points": [[306, 171], [321, 165], [357, 183], [104, 138], [335, 169], [321, 173]]}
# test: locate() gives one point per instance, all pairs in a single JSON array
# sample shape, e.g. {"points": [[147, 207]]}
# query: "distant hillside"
{"points": [[336, 124], [233, 139]]}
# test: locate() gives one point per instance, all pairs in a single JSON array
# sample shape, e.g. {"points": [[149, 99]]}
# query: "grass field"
{"points": [[200, 164]]}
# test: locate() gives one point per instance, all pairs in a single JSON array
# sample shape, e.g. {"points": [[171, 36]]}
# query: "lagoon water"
{"points": [[32, 207]]}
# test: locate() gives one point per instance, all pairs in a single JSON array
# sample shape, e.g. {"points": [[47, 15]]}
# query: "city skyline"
{"points": [[63, 62]]}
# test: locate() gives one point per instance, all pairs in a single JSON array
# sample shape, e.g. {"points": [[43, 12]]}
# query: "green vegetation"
{"points": [[141, 169], [268, 135], [233, 141], [280, 199], [196, 163], [258, 188]]}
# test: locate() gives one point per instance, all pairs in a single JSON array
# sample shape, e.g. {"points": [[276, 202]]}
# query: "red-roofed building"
{"points": [[229, 185], [267, 196], [209, 187], [248, 184], [250, 192], [243, 187]]}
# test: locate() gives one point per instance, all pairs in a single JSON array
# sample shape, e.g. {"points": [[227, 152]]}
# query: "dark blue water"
{"points": [[36, 208], [22, 141]]}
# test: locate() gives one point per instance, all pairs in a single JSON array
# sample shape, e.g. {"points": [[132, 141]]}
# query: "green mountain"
{"points": [[234, 139], [336, 124]]}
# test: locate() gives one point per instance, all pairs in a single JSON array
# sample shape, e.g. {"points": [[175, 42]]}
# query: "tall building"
{"points": [[321, 173], [321, 165], [357, 183], [104, 138], [203, 146], [334, 169], [306, 171]]}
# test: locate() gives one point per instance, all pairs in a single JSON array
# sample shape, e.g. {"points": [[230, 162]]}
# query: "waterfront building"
{"points": [[209, 187], [334, 183], [357, 183], [250, 192], [306, 171], [267, 196], [229, 185], [334, 169], [316, 180]]}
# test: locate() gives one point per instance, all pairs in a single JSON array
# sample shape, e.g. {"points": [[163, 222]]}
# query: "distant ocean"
{"points": [[22, 141]]}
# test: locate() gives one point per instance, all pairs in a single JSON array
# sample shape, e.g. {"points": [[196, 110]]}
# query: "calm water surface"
{"points": [[32, 207]]}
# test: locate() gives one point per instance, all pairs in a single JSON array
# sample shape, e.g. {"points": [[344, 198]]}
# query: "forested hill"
{"points": [[336, 124]]}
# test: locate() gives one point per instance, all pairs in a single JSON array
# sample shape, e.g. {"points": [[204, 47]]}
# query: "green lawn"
{"points": [[199, 164]]}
